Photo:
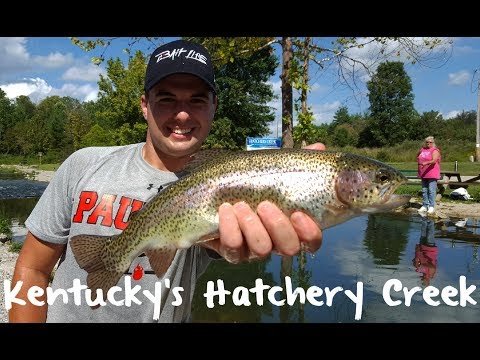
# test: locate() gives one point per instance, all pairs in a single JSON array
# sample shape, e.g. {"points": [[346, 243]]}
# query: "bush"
{"points": [[15, 246], [6, 229], [383, 155]]}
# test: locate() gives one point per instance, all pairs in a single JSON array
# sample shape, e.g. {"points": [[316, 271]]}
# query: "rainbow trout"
{"points": [[332, 187]]}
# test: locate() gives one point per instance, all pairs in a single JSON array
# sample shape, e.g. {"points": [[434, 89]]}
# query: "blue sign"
{"points": [[263, 143]]}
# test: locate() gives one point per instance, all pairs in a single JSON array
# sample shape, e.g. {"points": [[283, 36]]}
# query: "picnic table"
{"points": [[450, 174], [448, 180], [457, 180]]}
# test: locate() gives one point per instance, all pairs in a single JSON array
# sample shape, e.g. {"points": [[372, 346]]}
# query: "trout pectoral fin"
{"points": [[334, 215], [160, 259], [210, 237]]}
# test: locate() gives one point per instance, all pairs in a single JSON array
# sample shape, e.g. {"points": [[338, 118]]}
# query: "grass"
{"points": [[414, 190], [48, 167], [15, 246], [5, 228]]}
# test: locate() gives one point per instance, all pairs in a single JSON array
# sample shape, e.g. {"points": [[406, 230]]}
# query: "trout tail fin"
{"points": [[89, 252]]}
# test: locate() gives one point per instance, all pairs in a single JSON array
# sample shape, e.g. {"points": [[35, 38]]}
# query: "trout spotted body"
{"points": [[332, 187]]}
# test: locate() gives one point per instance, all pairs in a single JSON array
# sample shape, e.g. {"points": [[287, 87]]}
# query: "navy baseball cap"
{"points": [[179, 56]]}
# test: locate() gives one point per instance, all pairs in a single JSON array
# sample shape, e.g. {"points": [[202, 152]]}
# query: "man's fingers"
{"points": [[284, 238], [315, 146], [307, 230], [254, 232], [231, 245], [246, 234]]}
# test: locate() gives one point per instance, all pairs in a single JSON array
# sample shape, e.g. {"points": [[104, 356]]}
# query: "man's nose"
{"points": [[182, 110]]}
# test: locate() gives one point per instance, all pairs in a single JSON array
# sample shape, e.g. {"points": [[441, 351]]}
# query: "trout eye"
{"points": [[382, 176]]}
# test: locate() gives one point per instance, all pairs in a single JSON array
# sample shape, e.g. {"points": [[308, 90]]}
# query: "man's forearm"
{"points": [[28, 312]]}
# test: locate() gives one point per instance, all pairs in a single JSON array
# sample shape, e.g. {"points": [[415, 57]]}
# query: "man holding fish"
{"points": [[96, 190]]}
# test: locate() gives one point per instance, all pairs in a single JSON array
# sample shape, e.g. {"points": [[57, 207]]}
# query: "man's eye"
{"points": [[165, 100], [199, 101]]}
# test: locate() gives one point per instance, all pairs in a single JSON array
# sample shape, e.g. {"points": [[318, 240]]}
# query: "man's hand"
{"points": [[246, 234]]}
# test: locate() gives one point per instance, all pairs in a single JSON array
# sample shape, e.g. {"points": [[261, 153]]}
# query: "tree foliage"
{"points": [[243, 92], [6, 118], [120, 91], [392, 113]]}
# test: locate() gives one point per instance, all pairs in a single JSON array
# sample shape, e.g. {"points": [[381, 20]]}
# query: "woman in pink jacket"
{"points": [[428, 159]]}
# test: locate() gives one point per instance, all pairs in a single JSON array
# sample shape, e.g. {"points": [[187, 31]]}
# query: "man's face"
{"points": [[179, 111]]}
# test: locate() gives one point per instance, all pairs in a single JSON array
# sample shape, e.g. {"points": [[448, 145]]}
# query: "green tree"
{"points": [[97, 136], [243, 97], [24, 109], [120, 91], [127, 134], [391, 104], [24, 136], [79, 124], [431, 123], [6, 118], [461, 128], [344, 135], [303, 132], [340, 117]]}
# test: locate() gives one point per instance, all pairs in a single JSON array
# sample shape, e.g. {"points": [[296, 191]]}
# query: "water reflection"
{"points": [[18, 197], [426, 252], [369, 253], [386, 238]]}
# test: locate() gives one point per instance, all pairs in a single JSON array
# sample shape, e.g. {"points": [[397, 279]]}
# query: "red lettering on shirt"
{"points": [[120, 221], [87, 201], [105, 208]]}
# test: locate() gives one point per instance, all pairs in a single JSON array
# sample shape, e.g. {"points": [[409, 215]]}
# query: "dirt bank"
{"points": [[35, 174], [455, 209]]}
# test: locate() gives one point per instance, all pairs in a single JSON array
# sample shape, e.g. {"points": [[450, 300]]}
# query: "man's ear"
{"points": [[144, 105]]}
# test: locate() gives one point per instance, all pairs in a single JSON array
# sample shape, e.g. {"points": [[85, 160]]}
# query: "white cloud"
{"points": [[452, 114], [459, 78], [13, 56], [53, 61], [89, 72], [317, 88], [35, 88], [86, 92], [276, 86], [38, 89], [323, 113]]}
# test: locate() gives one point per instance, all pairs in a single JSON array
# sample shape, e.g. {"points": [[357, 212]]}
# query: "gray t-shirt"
{"points": [[94, 191]]}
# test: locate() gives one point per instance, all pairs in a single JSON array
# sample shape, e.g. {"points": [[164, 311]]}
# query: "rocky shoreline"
{"points": [[7, 264], [35, 174]]}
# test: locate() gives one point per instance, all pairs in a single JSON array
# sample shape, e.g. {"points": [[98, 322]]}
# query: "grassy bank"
{"points": [[414, 190]]}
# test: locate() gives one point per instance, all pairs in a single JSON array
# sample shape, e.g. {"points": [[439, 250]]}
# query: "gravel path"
{"points": [[39, 175]]}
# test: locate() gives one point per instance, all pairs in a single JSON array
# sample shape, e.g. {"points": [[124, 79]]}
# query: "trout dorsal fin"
{"points": [[202, 156]]}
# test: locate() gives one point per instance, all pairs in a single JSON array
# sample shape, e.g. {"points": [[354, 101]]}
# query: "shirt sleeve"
{"points": [[51, 217]]}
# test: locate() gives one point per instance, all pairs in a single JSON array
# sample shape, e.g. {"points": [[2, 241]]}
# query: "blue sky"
{"points": [[46, 66]]}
